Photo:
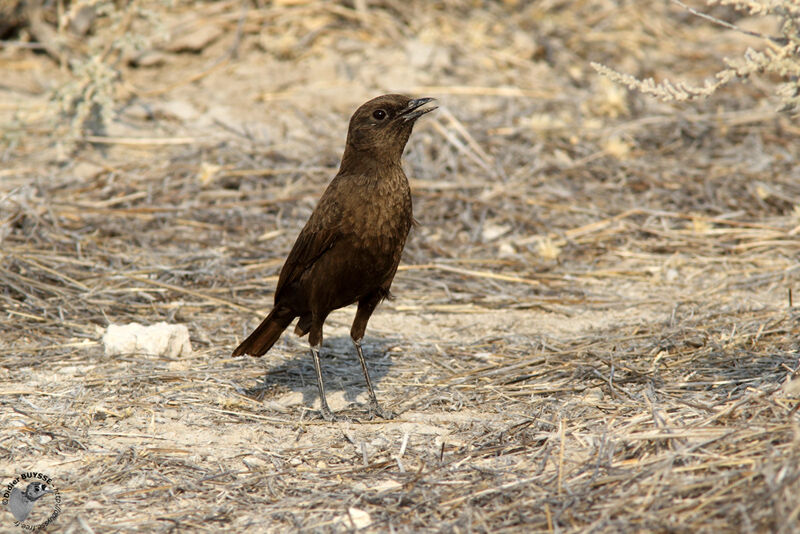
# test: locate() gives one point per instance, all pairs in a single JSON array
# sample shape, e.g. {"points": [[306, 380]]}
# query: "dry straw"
{"points": [[587, 336]]}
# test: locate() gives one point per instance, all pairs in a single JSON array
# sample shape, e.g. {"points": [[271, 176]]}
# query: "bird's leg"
{"points": [[374, 407], [365, 308], [325, 411]]}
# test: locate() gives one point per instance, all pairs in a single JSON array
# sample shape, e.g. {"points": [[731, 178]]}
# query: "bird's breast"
{"points": [[380, 210]]}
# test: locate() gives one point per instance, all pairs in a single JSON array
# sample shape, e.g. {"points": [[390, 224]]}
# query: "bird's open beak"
{"points": [[414, 109]]}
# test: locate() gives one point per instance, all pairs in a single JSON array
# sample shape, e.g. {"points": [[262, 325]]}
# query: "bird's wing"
{"points": [[316, 238]]}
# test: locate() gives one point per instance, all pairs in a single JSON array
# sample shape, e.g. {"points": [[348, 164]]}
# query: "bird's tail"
{"points": [[267, 333]]}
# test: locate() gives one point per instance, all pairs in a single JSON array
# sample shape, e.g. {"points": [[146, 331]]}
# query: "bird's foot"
{"points": [[327, 414], [375, 410]]}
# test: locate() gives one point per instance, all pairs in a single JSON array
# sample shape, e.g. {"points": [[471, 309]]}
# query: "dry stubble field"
{"points": [[593, 327]]}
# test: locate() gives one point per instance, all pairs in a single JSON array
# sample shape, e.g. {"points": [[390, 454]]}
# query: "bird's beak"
{"points": [[412, 111]]}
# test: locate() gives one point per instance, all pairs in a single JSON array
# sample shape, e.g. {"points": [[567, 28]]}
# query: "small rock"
{"points": [[82, 20], [354, 518], [386, 485], [176, 109], [84, 170], [493, 231], [160, 339], [195, 40], [94, 505], [148, 59], [506, 249]]}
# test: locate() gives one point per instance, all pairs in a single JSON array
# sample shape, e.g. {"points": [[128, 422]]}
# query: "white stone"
{"points": [[160, 339]]}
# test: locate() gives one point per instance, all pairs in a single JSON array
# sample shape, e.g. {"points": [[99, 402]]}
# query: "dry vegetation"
{"points": [[593, 329], [780, 56]]}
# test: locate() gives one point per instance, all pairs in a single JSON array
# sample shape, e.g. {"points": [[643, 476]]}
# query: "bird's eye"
{"points": [[379, 114]]}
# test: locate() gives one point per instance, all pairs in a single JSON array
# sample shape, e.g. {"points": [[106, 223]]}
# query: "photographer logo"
{"points": [[33, 500]]}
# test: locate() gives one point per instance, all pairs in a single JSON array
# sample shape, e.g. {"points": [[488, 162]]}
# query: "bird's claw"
{"points": [[375, 410], [327, 415]]}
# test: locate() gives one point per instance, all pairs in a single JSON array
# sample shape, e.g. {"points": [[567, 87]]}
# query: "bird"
{"points": [[20, 503], [350, 247]]}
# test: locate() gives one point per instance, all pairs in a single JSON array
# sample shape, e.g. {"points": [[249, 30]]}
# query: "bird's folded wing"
{"points": [[317, 237]]}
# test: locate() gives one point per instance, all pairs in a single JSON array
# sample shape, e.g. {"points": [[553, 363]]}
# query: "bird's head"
{"points": [[36, 490], [381, 126]]}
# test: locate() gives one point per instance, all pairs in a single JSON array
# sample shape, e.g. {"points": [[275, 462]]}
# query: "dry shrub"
{"points": [[780, 57], [91, 40]]}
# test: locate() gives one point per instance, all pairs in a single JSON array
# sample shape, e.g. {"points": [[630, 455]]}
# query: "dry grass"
{"points": [[593, 330]]}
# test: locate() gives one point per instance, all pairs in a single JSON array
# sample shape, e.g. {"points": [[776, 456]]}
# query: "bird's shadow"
{"points": [[341, 370]]}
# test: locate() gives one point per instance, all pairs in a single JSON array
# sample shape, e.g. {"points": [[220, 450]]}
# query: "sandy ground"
{"points": [[592, 329]]}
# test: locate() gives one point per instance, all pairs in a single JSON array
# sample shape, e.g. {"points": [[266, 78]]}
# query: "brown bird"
{"points": [[350, 247]]}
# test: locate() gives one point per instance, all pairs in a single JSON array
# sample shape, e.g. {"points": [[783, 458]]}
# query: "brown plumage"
{"points": [[350, 247]]}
